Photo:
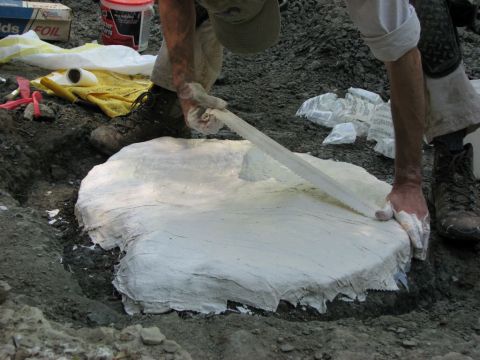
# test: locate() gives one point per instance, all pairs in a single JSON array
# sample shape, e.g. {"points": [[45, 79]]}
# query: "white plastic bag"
{"points": [[386, 147], [30, 49], [322, 102], [366, 95], [341, 134], [361, 128], [329, 110], [322, 110], [364, 111], [359, 109], [325, 118], [382, 124]]}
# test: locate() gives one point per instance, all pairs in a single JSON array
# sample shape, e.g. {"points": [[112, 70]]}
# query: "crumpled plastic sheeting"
{"points": [[114, 93], [207, 221], [29, 49]]}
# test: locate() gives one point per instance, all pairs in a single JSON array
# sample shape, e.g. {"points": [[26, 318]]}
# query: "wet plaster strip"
{"points": [[207, 221]]}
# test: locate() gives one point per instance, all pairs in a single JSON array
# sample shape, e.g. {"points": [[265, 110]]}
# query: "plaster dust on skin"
{"points": [[203, 222]]}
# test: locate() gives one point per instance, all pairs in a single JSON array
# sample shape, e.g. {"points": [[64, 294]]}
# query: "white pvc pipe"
{"points": [[295, 163]]}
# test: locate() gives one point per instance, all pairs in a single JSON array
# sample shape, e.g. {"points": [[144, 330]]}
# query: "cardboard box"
{"points": [[51, 21]]}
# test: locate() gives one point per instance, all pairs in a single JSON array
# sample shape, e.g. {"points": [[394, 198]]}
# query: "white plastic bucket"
{"points": [[126, 22]]}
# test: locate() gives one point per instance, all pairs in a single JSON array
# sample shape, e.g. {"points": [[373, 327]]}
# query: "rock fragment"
{"points": [[4, 290], [46, 113], [170, 346], [151, 336], [287, 348], [182, 355], [409, 343], [26, 334]]}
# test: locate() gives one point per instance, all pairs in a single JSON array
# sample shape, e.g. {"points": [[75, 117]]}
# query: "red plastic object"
{"points": [[24, 86], [131, 3], [12, 105], [36, 98]]}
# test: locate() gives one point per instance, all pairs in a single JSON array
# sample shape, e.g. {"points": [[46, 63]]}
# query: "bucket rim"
{"points": [[129, 2]]}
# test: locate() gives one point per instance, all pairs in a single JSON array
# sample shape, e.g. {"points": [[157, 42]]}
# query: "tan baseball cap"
{"points": [[245, 26]]}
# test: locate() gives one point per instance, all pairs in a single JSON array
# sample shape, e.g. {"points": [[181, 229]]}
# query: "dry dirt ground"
{"points": [[43, 163]]}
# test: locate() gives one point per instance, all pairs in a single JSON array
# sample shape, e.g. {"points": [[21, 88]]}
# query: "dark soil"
{"points": [[55, 266]]}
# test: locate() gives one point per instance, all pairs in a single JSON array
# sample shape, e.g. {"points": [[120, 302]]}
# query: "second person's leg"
{"points": [[158, 112]]}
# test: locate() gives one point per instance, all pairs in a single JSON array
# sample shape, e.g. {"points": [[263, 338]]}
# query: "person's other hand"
{"points": [[408, 206], [195, 101]]}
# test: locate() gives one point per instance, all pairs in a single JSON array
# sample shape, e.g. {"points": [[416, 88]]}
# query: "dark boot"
{"points": [[455, 195], [155, 113]]}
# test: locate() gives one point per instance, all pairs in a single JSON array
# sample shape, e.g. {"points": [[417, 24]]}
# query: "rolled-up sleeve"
{"points": [[390, 28]]}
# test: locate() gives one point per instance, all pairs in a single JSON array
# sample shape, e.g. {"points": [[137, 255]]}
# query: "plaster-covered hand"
{"points": [[195, 101], [408, 206]]}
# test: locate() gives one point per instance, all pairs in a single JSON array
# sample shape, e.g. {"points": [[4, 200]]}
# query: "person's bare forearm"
{"points": [[178, 25], [406, 201], [408, 111]]}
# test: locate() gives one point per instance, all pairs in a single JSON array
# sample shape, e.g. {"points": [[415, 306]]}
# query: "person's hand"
{"points": [[408, 206], [195, 101]]}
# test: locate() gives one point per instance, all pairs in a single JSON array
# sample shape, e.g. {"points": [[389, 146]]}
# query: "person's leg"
{"points": [[391, 29], [158, 112], [208, 60], [453, 111]]}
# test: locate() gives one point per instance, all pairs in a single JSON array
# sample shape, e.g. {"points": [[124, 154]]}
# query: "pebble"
{"points": [[101, 353], [409, 343], [151, 336], [101, 315], [306, 332], [4, 290], [170, 346], [315, 65], [182, 355], [287, 348], [101, 334], [46, 112], [126, 337]]}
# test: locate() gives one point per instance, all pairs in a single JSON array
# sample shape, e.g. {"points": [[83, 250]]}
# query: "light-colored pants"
{"points": [[390, 28]]}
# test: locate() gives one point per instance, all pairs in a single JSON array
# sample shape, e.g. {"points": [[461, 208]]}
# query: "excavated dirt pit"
{"points": [[56, 268]]}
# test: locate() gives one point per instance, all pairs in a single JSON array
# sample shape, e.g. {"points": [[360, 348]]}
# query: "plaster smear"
{"points": [[207, 221]]}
